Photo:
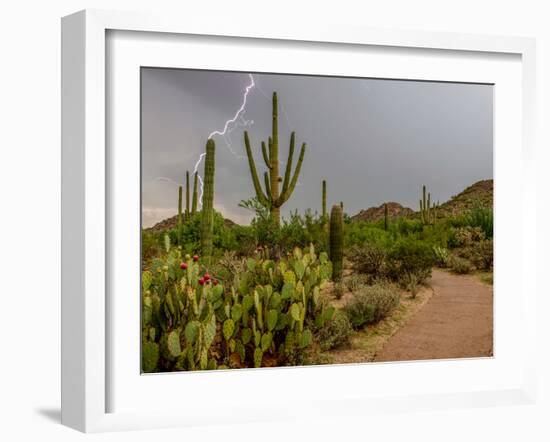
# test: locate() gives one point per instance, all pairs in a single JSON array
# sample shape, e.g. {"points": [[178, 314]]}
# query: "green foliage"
{"points": [[410, 256], [149, 357], [271, 198], [336, 242], [460, 265], [356, 280], [370, 260], [266, 311], [441, 255], [336, 333], [370, 304]]}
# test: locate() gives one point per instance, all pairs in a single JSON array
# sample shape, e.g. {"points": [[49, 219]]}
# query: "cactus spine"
{"points": [[428, 211], [195, 194], [187, 196], [336, 242], [180, 191], [385, 216], [207, 222], [271, 198]]}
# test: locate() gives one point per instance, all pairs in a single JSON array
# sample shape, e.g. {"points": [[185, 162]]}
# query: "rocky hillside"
{"points": [[171, 223], [395, 210], [478, 193]]}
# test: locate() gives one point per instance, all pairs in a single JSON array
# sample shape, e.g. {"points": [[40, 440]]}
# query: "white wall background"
{"points": [[30, 214]]}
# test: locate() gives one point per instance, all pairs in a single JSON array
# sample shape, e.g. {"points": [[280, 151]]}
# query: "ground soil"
{"points": [[457, 322]]}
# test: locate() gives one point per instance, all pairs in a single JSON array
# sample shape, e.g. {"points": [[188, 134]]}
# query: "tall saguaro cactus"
{"points": [[428, 211], [187, 196], [180, 191], [385, 216], [271, 198], [195, 194], [336, 242], [207, 222], [324, 200]]}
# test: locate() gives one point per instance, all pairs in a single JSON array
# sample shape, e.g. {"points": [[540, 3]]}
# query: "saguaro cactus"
{"points": [[180, 191], [428, 212], [271, 198], [187, 196], [324, 200], [336, 242], [195, 194], [385, 216], [207, 222]]}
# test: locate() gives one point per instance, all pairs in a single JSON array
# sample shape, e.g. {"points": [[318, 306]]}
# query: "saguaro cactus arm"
{"points": [[262, 198], [285, 195], [266, 155]]}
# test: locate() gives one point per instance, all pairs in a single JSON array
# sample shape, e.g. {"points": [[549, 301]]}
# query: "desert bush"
{"points": [[370, 304], [441, 255], [353, 282], [482, 255], [335, 333], [410, 282], [459, 265], [368, 259], [465, 236], [410, 256], [338, 290]]}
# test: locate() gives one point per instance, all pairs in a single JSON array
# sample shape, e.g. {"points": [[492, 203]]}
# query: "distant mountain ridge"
{"points": [[395, 210], [480, 192]]}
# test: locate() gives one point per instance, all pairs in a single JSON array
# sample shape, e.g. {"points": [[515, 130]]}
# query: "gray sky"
{"points": [[372, 140]]}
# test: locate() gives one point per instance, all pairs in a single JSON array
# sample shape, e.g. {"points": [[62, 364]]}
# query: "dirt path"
{"points": [[456, 322]]}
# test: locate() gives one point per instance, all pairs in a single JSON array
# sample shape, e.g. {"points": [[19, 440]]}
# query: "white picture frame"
{"points": [[86, 207]]}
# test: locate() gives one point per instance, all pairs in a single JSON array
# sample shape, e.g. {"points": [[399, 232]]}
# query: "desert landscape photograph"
{"points": [[297, 220]]}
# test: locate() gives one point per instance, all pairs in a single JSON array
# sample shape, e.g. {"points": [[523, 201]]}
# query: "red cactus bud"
{"points": [[215, 281], [201, 281], [206, 277], [183, 266], [196, 258]]}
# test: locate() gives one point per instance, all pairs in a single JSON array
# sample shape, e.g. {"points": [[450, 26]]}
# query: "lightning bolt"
{"points": [[229, 126]]}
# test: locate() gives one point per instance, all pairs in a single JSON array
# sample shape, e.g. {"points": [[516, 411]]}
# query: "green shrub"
{"points": [[441, 255], [370, 304], [411, 283], [465, 236], [368, 259], [335, 333], [353, 282], [338, 290], [481, 217], [410, 256], [482, 255], [459, 265]]}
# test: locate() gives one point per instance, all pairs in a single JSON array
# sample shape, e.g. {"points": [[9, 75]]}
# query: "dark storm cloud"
{"points": [[372, 140]]}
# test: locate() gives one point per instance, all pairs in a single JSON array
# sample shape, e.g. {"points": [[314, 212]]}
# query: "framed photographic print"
{"points": [[251, 215]]}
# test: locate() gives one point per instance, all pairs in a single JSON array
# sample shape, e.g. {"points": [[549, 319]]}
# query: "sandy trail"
{"points": [[456, 322]]}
